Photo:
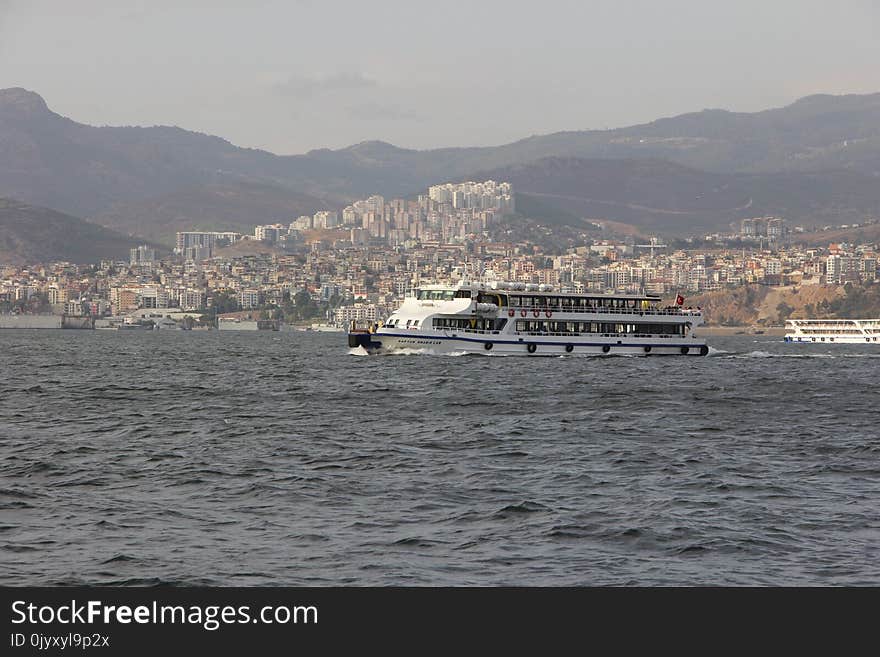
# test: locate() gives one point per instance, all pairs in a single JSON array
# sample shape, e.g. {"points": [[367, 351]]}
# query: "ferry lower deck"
{"points": [[387, 341]]}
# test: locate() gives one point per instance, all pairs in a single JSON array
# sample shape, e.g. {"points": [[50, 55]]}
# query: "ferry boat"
{"points": [[533, 320], [840, 331]]}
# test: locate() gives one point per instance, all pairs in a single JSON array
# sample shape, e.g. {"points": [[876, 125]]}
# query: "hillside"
{"points": [[859, 235], [118, 175], [31, 234], [233, 206], [759, 304], [661, 196]]}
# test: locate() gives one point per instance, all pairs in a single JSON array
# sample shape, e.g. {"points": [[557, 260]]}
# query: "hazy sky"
{"points": [[289, 76]]}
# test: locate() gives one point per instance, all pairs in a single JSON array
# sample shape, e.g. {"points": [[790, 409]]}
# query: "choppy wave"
{"points": [[767, 354], [255, 459]]}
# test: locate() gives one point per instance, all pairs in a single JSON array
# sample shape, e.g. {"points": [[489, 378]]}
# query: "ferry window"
{"points": [[462, 294], [408, 322], [515, 301], [415, 322], [436, 295], [499, 324]]}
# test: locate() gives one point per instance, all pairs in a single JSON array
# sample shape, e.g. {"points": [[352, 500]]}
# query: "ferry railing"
{"points": [[561, 334], [602, 335], [683, 312]]}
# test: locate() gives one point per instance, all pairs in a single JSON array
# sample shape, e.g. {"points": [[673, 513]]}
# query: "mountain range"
{"points": [[814, 159]]}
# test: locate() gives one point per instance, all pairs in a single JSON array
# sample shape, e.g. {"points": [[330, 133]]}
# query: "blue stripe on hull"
{"points": [[526, 341]]}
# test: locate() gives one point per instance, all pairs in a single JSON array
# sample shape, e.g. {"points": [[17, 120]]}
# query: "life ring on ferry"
{"points": [[569, 348], [685, 350], [523, 312], [606, 348], [548, 313], [532, 347], [488, 346], [536, 313], [511, 312]]}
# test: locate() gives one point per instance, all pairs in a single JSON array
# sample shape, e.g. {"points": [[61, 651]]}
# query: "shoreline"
{"points": [[774, 331]]}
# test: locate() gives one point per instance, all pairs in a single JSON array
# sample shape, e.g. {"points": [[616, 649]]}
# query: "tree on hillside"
{"points": [[784, 311]]}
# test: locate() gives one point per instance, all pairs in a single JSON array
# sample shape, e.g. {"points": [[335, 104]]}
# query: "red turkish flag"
{"points": [[679, 300]]}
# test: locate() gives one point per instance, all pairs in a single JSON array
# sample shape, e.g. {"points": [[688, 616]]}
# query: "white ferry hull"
{"points": [[833, 331], [382, 342], [832, 339]]}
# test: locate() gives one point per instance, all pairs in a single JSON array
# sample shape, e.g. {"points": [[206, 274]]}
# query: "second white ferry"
{"points": [[846, 331], [521, 319]]}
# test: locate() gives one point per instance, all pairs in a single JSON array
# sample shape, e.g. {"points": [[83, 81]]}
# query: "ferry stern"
{"points": [[363, 337]]}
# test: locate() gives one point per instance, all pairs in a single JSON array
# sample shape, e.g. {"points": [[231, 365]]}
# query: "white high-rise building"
{"points": [[303, 222], [487, 195], [325, 219]]}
